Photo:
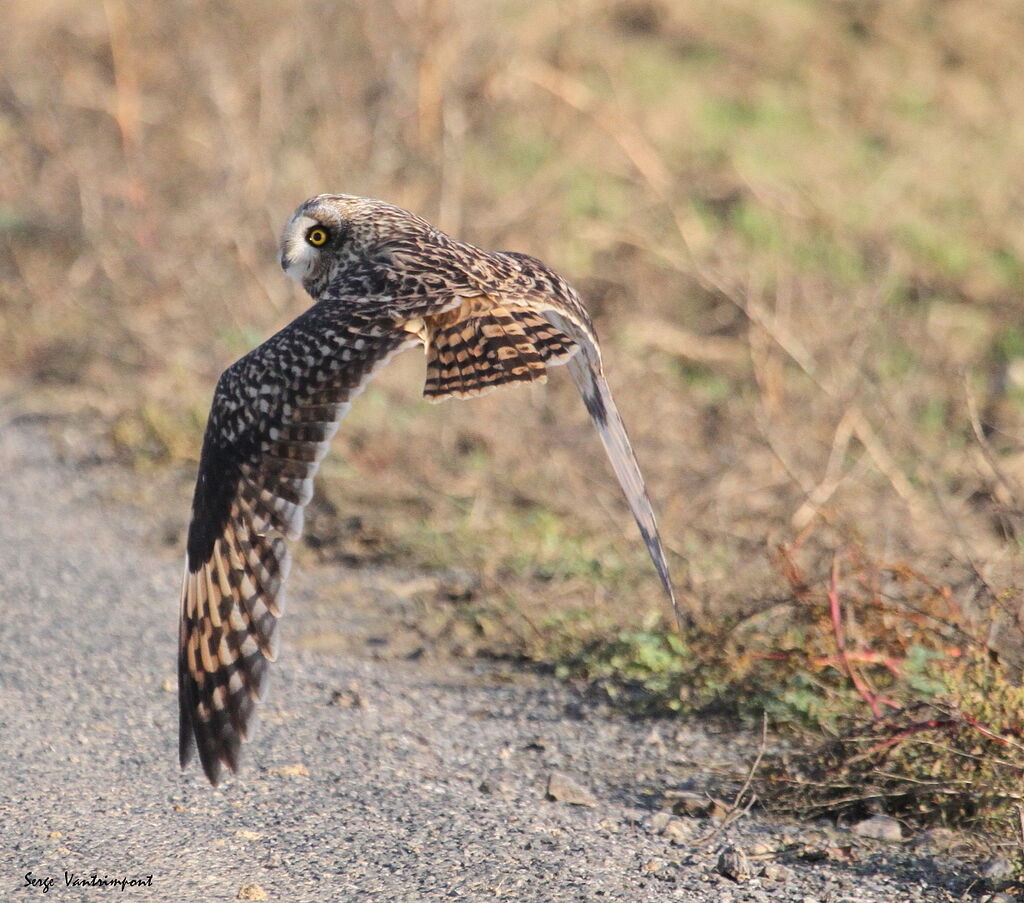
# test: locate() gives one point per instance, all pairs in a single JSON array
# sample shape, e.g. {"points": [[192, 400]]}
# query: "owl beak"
{"points": [[293, 266], [297, 263], [296, 256]]}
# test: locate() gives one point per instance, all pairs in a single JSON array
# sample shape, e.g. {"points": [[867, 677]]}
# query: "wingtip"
{"points": [[684, 621], [213, 775], [601, 406], [212, 768], [184, 753]]}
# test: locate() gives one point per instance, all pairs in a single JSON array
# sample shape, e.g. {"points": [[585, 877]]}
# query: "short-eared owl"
{"points": [[384, 280]]}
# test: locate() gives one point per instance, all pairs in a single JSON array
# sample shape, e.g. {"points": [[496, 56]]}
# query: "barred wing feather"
{"points": [[273, 416]]}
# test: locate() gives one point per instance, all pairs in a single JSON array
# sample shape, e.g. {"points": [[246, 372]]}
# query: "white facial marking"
{"points": [[298, 255]]}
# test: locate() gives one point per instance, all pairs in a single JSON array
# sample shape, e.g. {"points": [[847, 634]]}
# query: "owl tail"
{"points": [[480, 352]]}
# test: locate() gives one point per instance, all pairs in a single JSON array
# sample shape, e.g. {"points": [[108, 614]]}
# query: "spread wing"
{"points": [[274, 413], [588, 375], [526, 320], [536, 287]]}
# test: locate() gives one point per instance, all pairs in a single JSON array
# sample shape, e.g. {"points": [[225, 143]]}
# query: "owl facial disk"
{"points": [[300, 246]]}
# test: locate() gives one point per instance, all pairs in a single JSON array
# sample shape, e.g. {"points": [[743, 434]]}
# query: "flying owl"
{"points": [[384, 280]]}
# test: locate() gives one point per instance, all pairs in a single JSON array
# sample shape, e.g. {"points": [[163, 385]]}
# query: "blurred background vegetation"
{"points": [[799, 225]]}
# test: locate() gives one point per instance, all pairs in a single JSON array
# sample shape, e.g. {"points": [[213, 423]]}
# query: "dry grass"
{"points": [[798, 225]]}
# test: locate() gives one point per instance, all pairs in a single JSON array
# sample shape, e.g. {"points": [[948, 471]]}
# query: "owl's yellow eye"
{"points": [[317, 237]]}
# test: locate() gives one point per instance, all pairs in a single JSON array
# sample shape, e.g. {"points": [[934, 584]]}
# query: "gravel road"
{"points": [[372, 777]]}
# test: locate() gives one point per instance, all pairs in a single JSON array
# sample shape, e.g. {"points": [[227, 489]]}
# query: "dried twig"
{"points": [[739, 808], [1010, 484], [1020, 828], [835, 610], [126, 81]]}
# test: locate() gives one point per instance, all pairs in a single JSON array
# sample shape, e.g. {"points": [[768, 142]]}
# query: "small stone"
{"points": [[348, 698], [563, 789], [938, 840], [245, 834], [170, 685], [494, 786], [835, 853], [997, 869], [658, 822], [879, 827], [298, 770], [251, 892], [732, 863], [654, 739], [695, 805], [776, 871], [678, 832]]}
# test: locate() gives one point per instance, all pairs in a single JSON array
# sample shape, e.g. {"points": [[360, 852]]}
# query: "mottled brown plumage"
{"points": [[384, 280]]}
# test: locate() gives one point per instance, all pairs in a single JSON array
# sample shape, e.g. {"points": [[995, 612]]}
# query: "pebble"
{"points": [[879, 827], [295, 770], [776, 871], [658, 822], [348, 698], [563, 789], [496, 783], [695, 805], [938, 840], [732, 863], [997, 869], [678, 832]]}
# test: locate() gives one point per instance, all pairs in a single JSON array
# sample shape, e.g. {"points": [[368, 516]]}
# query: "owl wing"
{"points": [[588, 374], [274, 413], [483, 345], [529, 319]]}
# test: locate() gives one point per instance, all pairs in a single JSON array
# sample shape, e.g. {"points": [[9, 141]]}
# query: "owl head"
{"points": [[339, 239]]}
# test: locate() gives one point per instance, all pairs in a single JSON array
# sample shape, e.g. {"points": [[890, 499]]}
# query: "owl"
{"points": [[384, 280]]}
